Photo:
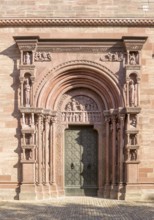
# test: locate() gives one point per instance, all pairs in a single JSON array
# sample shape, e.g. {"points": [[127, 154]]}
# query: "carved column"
{"points": [[113, 194], [32, 93], [138, 91], [21, 91], [53, 187], [50, 155], [40, 121], [47, 123], [106, 193], [127, 92], [121, 157]]}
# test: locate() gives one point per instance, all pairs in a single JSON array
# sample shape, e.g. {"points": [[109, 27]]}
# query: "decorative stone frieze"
{"points": [[77, 22], [42, 57], [113, 57]]}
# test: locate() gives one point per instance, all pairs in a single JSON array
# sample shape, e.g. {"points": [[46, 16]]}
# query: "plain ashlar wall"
{"points": [[76, 8], [9, 94]]}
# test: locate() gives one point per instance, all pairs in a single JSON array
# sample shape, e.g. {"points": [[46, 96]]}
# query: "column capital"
{"points": [[107, 119], [32, 79], [53, 118], [21, 78], [47, 118]]}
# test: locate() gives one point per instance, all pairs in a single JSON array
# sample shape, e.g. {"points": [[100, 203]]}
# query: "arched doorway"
{"points": [[82, 96], [80, 113]]}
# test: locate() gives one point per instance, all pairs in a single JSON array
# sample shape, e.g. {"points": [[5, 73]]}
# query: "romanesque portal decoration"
{"points": [[109, 102], [81, 109]]}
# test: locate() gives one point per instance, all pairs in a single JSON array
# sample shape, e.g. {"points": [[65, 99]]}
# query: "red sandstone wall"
{"points": [[9, 95], [76, 8]]}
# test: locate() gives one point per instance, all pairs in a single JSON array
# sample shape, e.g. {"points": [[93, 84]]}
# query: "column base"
{"points": [[53, 190], [107, 191], [27, 192], [100, 192], [121, 192], [133, 192], [46, 191], [113, 192], [39, 192]]}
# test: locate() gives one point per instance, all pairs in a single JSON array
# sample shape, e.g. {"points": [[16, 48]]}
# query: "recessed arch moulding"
{"points": [[78, 82]]}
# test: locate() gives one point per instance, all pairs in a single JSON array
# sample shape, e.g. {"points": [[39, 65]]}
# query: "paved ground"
{"points": [[80, 208]]}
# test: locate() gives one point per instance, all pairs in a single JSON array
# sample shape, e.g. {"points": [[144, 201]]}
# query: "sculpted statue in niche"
{"points": [[27, 58], [27, 93], [133, 154], [28, 154], [132, 93], [133, 139], [133, 58], [133, 122]]}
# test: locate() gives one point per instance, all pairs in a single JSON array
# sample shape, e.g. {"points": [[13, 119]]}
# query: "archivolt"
{"points": [[80, 74]]}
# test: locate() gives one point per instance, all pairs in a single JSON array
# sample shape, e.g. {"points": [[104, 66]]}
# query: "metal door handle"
{"points": [[72, 166]]}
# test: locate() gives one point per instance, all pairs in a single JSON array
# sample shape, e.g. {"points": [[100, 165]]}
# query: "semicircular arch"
{"points": [[79, 74]]}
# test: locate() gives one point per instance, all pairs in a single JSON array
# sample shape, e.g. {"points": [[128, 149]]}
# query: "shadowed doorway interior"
{"points": [[81, 161]]}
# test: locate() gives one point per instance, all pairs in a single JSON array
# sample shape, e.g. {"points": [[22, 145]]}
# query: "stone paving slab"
{"points": [[76, 208]]}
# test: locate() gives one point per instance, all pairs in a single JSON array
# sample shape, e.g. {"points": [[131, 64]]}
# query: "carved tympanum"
{"points": [[81, 109]]}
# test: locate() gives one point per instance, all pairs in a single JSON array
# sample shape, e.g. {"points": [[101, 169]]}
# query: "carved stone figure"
{"points": [[74, 105], [133, 154], [131, 93], [42, 56], [133, 122], [113, 57], [133, 139], [81, 109], [133, 58], [28, 154], [27, 58], [27, 93]]}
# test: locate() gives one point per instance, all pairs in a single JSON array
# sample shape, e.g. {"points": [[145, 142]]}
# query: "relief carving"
{"points": [[133, 139], [133, 122], [27, 93], [81, 109], [42, 56], [113, 57], [133, 154], [27, 58], [133, 58], [28, 154]]}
